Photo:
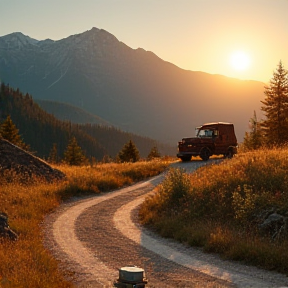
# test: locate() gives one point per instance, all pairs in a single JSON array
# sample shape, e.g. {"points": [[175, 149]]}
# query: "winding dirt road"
{"points": [[94, 237]]}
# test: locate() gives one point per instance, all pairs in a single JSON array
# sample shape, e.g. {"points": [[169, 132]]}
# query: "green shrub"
{"points": [[175, 188]]}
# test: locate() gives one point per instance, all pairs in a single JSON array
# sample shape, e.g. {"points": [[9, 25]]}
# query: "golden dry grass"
{"points": [[26, 263], [218, 207]]}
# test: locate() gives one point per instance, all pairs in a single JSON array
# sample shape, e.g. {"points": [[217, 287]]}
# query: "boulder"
{"points": [[275, 224], [5, 230]]}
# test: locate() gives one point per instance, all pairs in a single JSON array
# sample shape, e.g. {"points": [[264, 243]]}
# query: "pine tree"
{"points": [[9, 131], [107, 159], [275, 127], [253, 139], [129, 153], [73, 154], [154, 153], [53, 155]]}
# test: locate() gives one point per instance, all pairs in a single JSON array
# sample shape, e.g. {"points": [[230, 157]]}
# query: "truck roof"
{"points": [[216, 123]]}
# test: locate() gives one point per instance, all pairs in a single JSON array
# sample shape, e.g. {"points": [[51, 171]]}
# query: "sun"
{"points": [[240, 60]]}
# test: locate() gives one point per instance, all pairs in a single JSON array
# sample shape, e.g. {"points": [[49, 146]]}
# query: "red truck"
{"points": [[211, 139]]}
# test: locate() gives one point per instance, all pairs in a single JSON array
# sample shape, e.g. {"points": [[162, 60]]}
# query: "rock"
{"points": [[275, 225], [5, 230]]}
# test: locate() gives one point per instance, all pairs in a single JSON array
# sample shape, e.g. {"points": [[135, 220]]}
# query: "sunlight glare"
{"points": [[239, 60]]}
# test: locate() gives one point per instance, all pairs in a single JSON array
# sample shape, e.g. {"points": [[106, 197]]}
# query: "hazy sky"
{"points": [[198, 35]]}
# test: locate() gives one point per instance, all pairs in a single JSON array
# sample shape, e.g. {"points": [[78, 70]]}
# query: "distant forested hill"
{"points": [[42, 130], [68, 112]]}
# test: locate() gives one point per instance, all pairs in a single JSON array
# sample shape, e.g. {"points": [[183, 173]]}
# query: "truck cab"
{"points": [[217, 138]]}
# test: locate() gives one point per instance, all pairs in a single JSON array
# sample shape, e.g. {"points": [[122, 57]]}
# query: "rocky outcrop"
{"points": [[14, 161], [5, 230], [274, 224]]}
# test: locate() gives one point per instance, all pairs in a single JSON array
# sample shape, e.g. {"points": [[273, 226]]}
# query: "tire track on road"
{"points": [[77, 256]]}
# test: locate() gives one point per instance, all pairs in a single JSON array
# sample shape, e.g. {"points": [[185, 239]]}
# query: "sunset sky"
{"points": [[244, 39]]}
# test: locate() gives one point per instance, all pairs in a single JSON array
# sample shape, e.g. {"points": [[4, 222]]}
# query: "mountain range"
{"points": [[132, 89]]}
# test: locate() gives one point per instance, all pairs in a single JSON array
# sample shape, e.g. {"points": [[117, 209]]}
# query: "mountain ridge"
{"points": [[133, 89]]}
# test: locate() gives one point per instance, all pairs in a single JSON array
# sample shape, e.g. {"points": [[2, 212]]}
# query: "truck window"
{"points": [[205, 133]]}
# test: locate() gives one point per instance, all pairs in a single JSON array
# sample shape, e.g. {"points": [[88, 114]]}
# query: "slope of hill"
{"points": [[41, 130], [132, 89], [100, 129], [68, 112]]}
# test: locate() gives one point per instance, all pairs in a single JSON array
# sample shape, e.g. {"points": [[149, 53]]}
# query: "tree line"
{"points": [[273, 130], [73, 155]]}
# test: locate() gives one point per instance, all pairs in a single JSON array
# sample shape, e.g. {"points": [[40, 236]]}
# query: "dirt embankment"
{"points": [[15, 162]]}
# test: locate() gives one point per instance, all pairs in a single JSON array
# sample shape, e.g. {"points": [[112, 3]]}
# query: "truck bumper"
{"points": [[183, 154]]}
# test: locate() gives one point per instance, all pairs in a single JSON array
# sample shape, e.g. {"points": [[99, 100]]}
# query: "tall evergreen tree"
{"points": [[253, 139], [74, 154], [154, 153], [275, 126], [53, 155], [9, 131], [129, 153]]}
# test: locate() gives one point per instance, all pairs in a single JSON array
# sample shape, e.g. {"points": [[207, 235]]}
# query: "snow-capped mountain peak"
{"points": [[17, 40]]}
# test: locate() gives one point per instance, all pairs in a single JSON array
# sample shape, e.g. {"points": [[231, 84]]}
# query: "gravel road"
{"points": [[94, 237]]}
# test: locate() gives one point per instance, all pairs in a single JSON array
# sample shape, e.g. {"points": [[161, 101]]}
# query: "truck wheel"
{"points": [[205, 154], [230, 154], [186, 158]]}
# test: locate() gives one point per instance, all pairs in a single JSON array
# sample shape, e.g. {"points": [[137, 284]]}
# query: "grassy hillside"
{"points": [[26, 263], [217, 208], [222, 208]]}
